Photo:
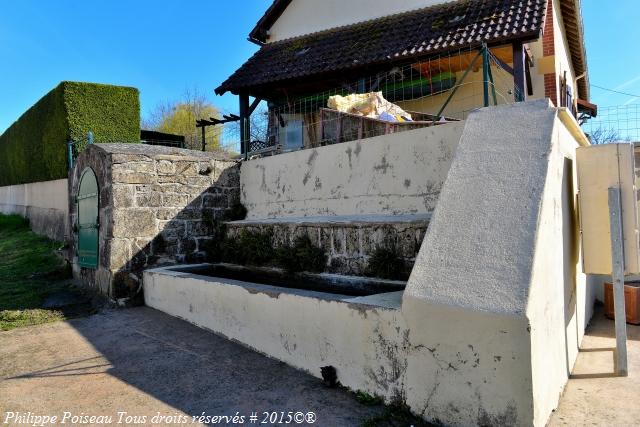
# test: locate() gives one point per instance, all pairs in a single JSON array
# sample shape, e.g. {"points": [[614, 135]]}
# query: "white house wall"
{"points": [[562, 55], [309, 16], [393, 174]]}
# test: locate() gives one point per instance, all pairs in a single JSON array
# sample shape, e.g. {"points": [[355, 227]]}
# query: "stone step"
{"points": [[348, 240]]}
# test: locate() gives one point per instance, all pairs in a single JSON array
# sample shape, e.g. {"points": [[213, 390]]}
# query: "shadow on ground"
{"points": [[142, 362]]}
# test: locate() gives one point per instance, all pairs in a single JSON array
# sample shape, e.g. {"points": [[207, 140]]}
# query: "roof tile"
{"points": [[408, 35]]}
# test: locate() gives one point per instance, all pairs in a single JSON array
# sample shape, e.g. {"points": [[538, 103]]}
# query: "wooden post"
{"points": [[485, 73], [519, 75], [617, 263], [245, 127], [204, 138]]}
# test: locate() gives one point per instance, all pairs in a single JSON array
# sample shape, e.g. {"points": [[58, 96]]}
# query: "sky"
{"points": [[165, 48]]}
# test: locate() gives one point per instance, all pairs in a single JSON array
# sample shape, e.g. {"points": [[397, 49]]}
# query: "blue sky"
{"points": [[166, 47]]}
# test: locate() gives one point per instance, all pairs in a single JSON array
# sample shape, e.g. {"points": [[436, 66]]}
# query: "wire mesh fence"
{"points": [[425, 93], [614, 124]]}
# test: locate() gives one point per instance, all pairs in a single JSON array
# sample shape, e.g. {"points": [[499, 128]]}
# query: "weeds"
{"points": [[386, 263], [303, 255]]}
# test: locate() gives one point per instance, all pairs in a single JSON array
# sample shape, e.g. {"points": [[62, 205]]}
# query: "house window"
{"points": [[292, 135]]}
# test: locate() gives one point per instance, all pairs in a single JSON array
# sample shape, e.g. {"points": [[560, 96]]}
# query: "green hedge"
{"points": [[34, 148]]}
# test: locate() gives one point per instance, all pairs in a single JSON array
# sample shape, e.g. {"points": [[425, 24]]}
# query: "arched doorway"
{"points": [[88, 223]]}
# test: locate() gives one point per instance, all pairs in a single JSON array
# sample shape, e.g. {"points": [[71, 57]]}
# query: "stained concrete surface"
{"points": [[142, 361], [594, 396]]}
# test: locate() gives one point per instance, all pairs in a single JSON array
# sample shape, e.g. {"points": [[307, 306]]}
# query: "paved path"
{"points": [[142, 361], [594, 396]]}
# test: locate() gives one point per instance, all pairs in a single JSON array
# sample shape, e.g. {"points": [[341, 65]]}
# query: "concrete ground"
{"points": [[141, 361], [595, 396]]}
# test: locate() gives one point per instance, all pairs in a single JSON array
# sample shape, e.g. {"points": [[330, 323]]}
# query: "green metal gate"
{"points": [[88, 224]]}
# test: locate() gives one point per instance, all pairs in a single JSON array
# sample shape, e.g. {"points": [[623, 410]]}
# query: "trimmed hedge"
{"points": [[34, 148]]}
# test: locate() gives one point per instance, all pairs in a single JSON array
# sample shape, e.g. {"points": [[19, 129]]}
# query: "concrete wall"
{"points": [[45, 204], [393, 174], [310, 16], [494, 311], [502, 258], [364, 338]]}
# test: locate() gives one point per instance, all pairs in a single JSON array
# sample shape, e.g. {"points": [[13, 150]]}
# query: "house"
{"points": [[436, 59]]}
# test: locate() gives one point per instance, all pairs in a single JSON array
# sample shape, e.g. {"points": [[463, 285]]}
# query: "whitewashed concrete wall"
{"points": [[310, 16], [364, 338], [45, 204], [395, 174], [500, 266], [489, 326]]}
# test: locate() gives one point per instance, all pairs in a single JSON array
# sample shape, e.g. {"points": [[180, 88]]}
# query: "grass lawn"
{"points": [[29, 272]]}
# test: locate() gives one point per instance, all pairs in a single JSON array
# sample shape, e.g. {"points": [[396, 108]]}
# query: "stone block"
{"points": [[188, 246], [325, 239], [338, 241], [134, 222], [142, 244], [353, 241], [142, 167], [175, 200], [126, 158], [166, 214], [203, 182], [149, 200], [215, 201], [130, 177], [198, 228], [165, 167], [119, 252], [189, 213], [123, 196], [186, 168], [172, 230]]}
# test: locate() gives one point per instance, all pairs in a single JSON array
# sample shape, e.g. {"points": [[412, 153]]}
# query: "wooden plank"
{"points": [[519, 75]]}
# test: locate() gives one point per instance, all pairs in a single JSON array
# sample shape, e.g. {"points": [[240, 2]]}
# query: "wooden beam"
{"points": [[519, 75], [254, 105], [245, 127]]}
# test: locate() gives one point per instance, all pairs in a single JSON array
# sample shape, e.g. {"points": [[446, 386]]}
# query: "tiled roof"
{"points": [[404, 36]]}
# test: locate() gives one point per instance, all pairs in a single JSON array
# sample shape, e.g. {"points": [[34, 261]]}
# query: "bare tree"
{"points": [[259, 124], [602, 135]]}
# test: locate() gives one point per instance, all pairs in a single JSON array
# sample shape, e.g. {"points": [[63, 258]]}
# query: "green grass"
{"points": [[29, 272]]}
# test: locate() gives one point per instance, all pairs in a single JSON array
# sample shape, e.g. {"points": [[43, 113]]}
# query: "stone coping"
{"points": [[338, 220], [160, 150], [386, 300]]}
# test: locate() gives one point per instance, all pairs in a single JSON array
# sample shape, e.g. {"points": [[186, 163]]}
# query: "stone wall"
{"points": [[348, 241], [157, 205]]}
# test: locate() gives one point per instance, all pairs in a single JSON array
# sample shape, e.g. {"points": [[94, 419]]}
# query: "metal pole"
{"points": [[617, 264], [455, 89], [70, 154]]}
